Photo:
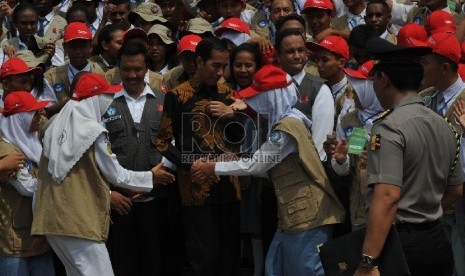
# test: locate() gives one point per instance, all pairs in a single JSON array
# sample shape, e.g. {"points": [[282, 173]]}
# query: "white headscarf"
{"points": [[72, 133], [15, 129], [370, 104], [278, 103]]}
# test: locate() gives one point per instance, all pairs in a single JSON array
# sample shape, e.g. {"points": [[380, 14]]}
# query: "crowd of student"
{"points": [[108, 106]]}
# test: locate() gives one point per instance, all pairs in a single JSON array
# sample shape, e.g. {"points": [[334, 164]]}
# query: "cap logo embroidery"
{"points": [[431, 41], [81, 32], [169, 33], [233, 25], [95, 87], [317, 1], [154, 9], [448, 22], [193, 43], [327, 42]]}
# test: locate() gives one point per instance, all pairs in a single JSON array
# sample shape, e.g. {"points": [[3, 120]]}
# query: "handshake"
{"points": [[203, 171]]}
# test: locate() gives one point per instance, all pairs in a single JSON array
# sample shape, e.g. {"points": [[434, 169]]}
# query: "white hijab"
{"points": [[370, 104], [278, 103], [15, 129], [72, 132], [235, 37]]}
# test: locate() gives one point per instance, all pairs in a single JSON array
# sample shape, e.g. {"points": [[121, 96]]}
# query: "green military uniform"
{"points": [[398, 156]]}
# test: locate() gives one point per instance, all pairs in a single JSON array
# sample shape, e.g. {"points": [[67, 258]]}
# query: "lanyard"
{"points": [[338, 91], [444, 106], [371, 117]]}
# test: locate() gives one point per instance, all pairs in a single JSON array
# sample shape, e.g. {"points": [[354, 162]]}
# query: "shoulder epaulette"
{"points": [[383, 115]]}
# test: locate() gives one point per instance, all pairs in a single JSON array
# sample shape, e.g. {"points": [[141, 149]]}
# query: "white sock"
{"points": [[257, 251]]}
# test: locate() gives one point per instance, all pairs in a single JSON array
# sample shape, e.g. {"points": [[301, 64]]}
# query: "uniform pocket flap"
{"points": [[290, 194]]}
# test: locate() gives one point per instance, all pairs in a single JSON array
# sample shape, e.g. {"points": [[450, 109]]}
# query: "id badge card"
{"points": [[357, 141]]}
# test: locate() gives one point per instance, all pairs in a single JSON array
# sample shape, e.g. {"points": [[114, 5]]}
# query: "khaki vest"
{"points": [[99, 61], [59, 81], [260, 25], [359, 188], [428, 92], [311, 69], [304, 194], [155, 80], [56, 29], [341, 23], [78, 207], [174, 77], [419, 14], [41, 43], [16, 217]]}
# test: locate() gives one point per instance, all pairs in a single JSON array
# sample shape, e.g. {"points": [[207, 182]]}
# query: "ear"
{"points": [[383, 79], [198, 62], [342, 63], [105, 46], [5, 85]]}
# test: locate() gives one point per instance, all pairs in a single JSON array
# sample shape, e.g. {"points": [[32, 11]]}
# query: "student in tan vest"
{"points": [[51, 25], [186, 53], [108, 45], [161, 49], [21, 253], [77, 43], [25, 19], [77, 166], [319, 14], [290, 159], [367, 110], [446, 88], [331, 55]]}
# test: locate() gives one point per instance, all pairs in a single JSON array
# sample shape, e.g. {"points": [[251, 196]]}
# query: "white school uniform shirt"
{"points": [[322, 115]]}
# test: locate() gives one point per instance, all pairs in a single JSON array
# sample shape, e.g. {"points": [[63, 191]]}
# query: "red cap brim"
{"points": [[355, 74], [248, 92], [112, 89]]}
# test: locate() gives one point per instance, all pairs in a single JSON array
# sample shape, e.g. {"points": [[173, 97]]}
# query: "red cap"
{"points": [[363, 72], [188, 43], [233, 24], [440, 22], [409, 32], [318, 4], [332, 43], [21, 101], [461, 71], [92, 84], [269, 77], [446, 45], [77, 30], [16, 66], [135, 32]]}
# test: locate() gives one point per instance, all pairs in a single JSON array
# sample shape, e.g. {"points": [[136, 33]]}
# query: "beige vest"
{"points": [[419, 15], [171, 78], [56, 29], [16, 218], [99, 61], [41, 42], [58, 79], [311, 68], [341, 23], [304, 194], [259, 25], [359, 188], [428, 92], [78, 207], [155, 80]]}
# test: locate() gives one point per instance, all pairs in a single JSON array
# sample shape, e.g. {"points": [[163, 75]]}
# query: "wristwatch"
{"points": [[368, 261]]}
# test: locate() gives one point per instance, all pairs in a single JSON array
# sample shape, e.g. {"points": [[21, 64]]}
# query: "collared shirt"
{"points": [[164, 70], [136, 106], [64, 6], [339, 88], [450, 94], [47, 21], [94, 26], [355, 20], [384, 35], [322, 115], [72, 71]]}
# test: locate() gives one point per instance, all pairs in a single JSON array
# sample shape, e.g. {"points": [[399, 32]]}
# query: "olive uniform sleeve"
{"points": [[385, 156]]}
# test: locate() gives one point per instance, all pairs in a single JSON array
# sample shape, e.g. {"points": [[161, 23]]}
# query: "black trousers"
{"points": [[212, 235], [138, 242], [427, 250]]}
